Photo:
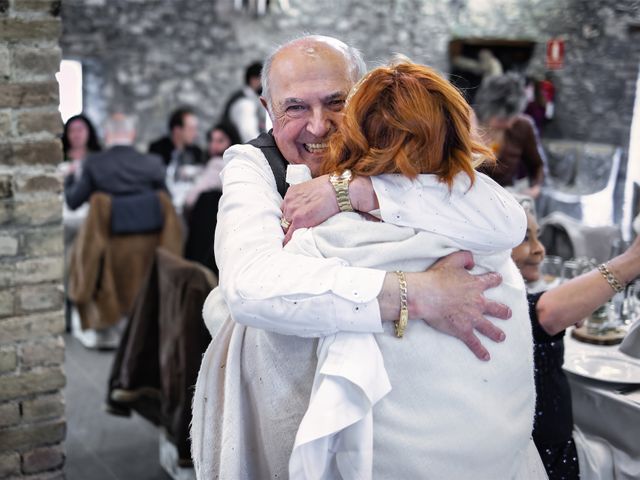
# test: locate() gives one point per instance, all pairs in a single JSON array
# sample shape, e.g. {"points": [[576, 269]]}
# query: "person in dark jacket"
{"points": [[179, 146], [119, 170]]}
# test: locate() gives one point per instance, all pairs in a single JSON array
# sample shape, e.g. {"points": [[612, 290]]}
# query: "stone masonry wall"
{"points": [[152, 55], [32, 425]]}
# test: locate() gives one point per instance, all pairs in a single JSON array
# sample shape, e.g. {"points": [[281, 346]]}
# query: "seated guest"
{"points": [[119, 170], [552, 311], [79, 139], [201, 202], [511, 134], [179, 148], [219, 138]]}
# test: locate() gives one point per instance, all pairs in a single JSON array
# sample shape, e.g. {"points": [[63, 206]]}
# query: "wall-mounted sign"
{"points": [[555, 54]]}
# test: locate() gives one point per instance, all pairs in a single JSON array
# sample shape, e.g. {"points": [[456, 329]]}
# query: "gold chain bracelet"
{"points": [[611, 279], [401, 323]]}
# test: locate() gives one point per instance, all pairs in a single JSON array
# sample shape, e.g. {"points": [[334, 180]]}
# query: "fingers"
{"points": [[490, 280], [287, 236], [473, 343], [497, 309], [489, 330], [461, 259]]}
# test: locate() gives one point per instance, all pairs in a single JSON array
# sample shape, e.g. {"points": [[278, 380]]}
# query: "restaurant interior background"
{"points": [[150, 56]]}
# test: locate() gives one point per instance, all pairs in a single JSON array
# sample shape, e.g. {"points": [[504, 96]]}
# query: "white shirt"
{"points": [[268, 288], [244, 114]]}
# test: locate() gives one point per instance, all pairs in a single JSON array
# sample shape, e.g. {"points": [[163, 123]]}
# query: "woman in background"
{"points": [[509, 133], [551, 312], [79, 139]]}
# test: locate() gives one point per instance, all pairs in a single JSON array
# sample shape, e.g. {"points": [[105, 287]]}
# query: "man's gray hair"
{"points": [[353, 56], [500, 96], [120, 124]]}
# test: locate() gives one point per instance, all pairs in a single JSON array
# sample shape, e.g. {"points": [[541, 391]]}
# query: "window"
{"points": [[70, 82]]}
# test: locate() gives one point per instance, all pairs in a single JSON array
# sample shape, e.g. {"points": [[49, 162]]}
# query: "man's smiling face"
{"points": [[309, 83]]}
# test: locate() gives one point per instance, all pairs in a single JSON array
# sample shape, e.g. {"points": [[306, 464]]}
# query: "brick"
{"points": [[6, 190], [31, 62], [35, 122], [41, 379], [45, 352], [29, 29], [40, 297], [50, 7], [43, 407], [28, 327], [39, 210], [8, 245], [32, 435], [8, 359], [9, 462], [47, 152], [5, 63], [9, 414], [44, 458], [7, 272], [6, 153], [29, 94], [37, 182], [5, 117], [53, 475], [7, 306], [43, 241], [37, 270]]}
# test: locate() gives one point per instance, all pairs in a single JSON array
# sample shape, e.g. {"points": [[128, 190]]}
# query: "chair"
{"points": [[106, 270], [582, 181], [156, 365], [202, 227]]}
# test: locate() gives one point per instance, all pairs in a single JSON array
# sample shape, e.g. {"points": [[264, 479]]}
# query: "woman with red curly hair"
{"points": [[416, 403]]}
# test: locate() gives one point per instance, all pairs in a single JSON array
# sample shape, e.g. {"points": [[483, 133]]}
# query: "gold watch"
{"points": [[340, 184]]}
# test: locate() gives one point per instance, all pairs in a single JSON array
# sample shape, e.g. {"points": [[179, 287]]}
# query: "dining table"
{"points": [[605, 390]]}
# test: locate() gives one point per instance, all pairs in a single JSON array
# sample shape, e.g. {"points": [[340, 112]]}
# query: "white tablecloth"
{"points": [[608, 422]]}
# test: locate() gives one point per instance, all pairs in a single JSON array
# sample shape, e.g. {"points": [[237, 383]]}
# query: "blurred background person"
{"points": [[511, 135], [551, 312], [179, 147], [79, 139], [201, 202], [243, 109], [119, 170], [219, 138]]}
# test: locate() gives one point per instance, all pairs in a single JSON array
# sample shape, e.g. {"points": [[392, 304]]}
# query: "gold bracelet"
{"points": [[401, 323], [611, 279]]}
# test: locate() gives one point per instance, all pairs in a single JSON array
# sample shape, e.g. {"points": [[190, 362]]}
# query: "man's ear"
{"points": [[264, 103]]}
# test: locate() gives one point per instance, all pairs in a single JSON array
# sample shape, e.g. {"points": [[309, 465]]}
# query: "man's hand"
{"points": [[452, 301], [309, 204]]}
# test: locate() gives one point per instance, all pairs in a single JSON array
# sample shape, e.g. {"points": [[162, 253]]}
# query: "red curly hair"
{"points": [[405, 118]]}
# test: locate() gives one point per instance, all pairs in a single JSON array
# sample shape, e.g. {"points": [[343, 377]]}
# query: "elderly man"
{"points": [[254, 385], [119, 170]]}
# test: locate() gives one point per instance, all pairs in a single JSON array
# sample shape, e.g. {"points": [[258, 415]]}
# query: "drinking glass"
{"points": [[551, 268], [570, 269]]}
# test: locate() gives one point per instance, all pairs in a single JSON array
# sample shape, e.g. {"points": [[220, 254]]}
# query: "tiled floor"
{"points": [[100, 446]]}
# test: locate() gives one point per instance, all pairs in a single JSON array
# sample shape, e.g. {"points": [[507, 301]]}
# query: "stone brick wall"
{"points": [[32, 425], [153, 55]]}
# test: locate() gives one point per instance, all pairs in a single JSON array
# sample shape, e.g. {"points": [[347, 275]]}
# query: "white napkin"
{"points": [[297, 173], [631, 343]]}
